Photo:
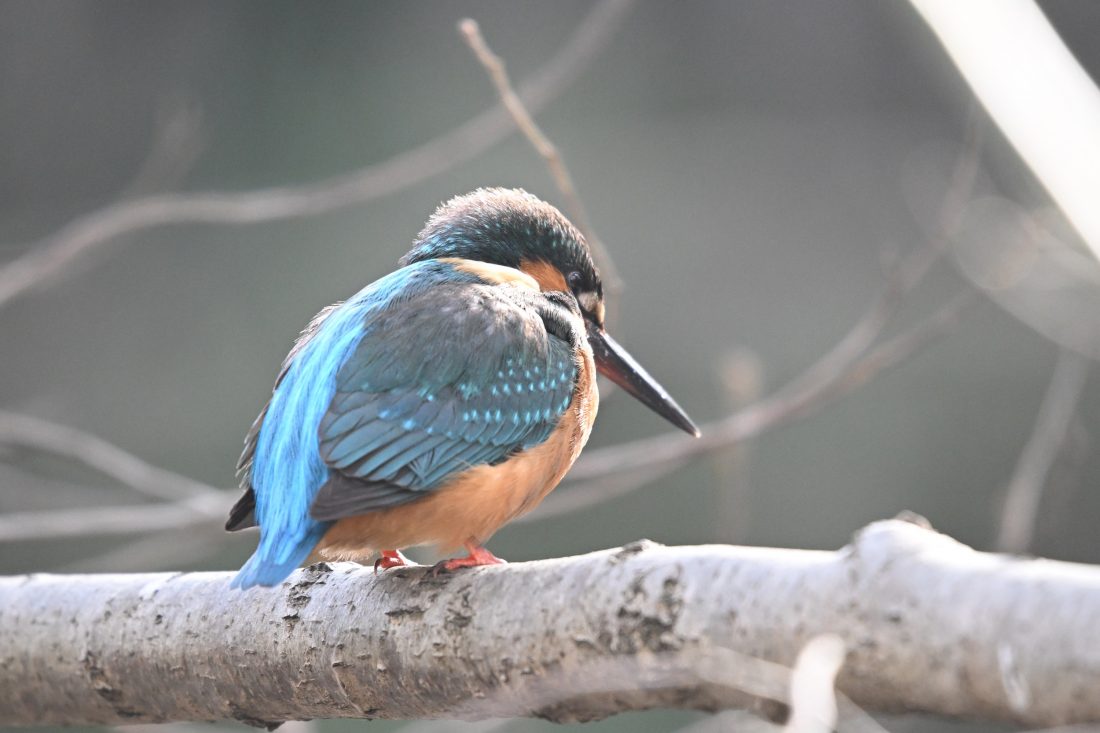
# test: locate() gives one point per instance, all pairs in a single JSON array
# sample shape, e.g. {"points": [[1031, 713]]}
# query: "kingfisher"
{"points": [[439, 402]]}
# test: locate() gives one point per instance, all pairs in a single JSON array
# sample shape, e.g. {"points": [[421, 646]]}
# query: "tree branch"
{"points": [[928, 624]]}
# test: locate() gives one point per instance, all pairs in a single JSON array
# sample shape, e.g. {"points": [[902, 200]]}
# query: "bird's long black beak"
{"points": [[616, 364]]}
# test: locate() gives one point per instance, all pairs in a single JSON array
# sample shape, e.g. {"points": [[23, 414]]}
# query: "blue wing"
{"points": [[459, 376], [420, 375]]}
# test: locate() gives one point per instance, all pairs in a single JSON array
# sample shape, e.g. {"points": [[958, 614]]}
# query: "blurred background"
{"points": [[759, 171]]}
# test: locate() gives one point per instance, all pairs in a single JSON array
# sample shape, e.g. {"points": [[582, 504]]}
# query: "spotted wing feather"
{"points": [[459, 376]]}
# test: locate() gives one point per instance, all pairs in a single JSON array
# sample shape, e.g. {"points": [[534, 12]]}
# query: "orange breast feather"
{"points": [[477, 502]]}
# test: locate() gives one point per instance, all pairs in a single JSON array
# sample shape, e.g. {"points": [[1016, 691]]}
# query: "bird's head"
{"points": [[511, 228]]}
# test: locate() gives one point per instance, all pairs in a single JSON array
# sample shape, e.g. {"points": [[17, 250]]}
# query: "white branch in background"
{"points": [[1035, 91], [929, 626], [813, 704]]}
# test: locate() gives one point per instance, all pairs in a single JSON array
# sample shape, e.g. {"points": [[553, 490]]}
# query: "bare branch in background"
{"points": [[52, 255], [706, 627], [94, 452], [837, 372], [1021, 505], [189, 502], [498, 74], [109, 520], [601, 474], [604, 474]]}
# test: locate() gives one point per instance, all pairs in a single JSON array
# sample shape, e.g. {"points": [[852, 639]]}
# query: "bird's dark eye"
{"points": [[575, 279]]}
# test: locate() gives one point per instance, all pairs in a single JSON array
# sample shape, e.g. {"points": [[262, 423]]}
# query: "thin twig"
{"points": [[190, 502], [113, 520], [52, 255], [95, 452], [498, 74], [1025, 489]]}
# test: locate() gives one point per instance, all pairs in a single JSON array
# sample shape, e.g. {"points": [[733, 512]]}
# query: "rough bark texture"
{"points": [[930, 625]]}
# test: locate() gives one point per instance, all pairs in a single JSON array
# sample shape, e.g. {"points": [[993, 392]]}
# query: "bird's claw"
{"points": [[391, 559], [478, 556]]}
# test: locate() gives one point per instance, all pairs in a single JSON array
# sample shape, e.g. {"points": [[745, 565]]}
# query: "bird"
{"points": [[439, 402]]}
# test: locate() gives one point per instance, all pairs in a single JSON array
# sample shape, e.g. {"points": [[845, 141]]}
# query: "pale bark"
{"points": [[929, 625]]}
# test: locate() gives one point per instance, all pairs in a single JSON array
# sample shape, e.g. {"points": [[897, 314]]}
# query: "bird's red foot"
{"points": [[478, 556], [392, 559]]}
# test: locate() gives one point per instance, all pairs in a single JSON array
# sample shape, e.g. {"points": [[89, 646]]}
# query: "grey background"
{"points": [[746, 163]]}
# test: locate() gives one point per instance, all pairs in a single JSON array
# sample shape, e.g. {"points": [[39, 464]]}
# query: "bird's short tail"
{"points": [[271, 564]]}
